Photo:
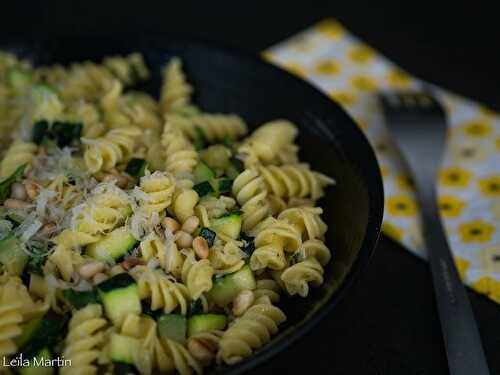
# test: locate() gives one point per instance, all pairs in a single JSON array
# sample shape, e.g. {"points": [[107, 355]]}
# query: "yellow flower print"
{"points": [[476, 231], [331, 29], [267, 55], [489, 286], [295, 69], [450, 206], [495, 210], [498, 144], [405, 183], [477, 129], [327, 67], [454, 177], [398, 78], [363, 83], [343, 97], [462, 266], [490, 258], [392, 231], [490, 186], [401, 205], [361, 54], [468, 152], [363, 124]]}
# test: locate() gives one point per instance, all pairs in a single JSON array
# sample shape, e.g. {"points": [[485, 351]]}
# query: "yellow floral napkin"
{"points": [[349, 71]]}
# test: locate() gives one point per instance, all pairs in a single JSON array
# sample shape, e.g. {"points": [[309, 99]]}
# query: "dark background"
{"points": [[388, 323]]}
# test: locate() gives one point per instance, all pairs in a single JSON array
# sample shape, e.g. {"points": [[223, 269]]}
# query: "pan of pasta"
{"points": [[171, 207]]}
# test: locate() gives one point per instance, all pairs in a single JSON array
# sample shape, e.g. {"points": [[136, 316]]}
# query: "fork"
{"points": [[418, 124]]}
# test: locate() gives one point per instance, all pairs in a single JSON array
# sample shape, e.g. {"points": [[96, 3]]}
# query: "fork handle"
{"points": [[461, 335]]}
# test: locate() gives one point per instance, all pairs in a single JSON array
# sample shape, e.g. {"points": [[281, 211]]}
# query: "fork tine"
{"points": [[413, 103]]}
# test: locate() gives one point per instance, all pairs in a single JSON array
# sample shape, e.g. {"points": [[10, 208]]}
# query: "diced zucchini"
{"points": [[173, 326], [122, 348], [208, 235], [28, 331], [225, 185], [19, 79], [12, 256], [113, 246], [249, 246], [226, 288], [199, 139], [79, 299], [38, 364], [65, 132], [202, 172], [136, 167], [203, 188], [39, 131], [234, 168], [6, 184], [120, 297], [206, 323], [15, 218], [43, 333], [216, 156], [229, 224]]}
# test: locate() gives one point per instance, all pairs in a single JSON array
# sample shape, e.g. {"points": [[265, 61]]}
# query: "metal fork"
{"points": [[418, 124]]}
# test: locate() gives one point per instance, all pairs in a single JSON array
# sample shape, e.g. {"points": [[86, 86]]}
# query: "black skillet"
{"points": [[230, 81]]}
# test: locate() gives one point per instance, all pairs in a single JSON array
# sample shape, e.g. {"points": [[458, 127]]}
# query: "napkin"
{"points": [[351, 72]]}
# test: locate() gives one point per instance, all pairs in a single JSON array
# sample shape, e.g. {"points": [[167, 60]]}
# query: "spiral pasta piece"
{"points": [[297, 277], [184, 362], [250, 192], [250, 332], [197, 275], [271, 143], [163, 292], [84, 340], [115, 147], [273, 238], [152, 355], [128, 69], [184, 203], [176, 91], [158, 189], [166, 252], [268, 288], [307, 220], [211, 207], [226, 257], [16, 307], [180, 155], [215, 127], [19, 153], [294, 181]]}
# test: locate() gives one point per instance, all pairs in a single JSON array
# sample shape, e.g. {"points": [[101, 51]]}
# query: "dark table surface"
{"points": [[388, 323]]}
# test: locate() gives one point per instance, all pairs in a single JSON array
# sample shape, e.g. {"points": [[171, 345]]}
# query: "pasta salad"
{"points": [[144, 235]]}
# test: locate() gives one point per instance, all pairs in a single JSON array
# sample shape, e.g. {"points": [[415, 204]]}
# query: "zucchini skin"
{"points": [[122, 280]]}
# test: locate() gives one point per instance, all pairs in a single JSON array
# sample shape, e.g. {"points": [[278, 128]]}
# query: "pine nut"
{"points": [[99, 278], [171, 224], [183, 239], [90, 269], [32, 189], [190, 224], [200, 351], [242, 302], [200, 247], [18, 191], [15, 204]]}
